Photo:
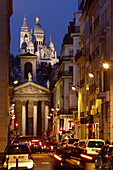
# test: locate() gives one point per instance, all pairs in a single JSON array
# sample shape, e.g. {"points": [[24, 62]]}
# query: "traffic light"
{"points": [[90, 119], [83, 121], [16, 125]]}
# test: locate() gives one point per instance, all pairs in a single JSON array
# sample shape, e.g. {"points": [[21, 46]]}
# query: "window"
{"points": [[27, 69], [71, 69], [70, 52], [61, 124]]}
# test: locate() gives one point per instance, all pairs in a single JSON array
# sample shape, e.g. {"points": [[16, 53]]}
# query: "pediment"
{"points": [[31, 88]]}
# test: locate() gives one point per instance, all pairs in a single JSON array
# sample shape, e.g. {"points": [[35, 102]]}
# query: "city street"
{"points": [[45, 161]]}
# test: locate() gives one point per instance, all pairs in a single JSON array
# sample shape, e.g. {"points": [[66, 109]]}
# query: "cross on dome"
{"points": [[37, 18]]}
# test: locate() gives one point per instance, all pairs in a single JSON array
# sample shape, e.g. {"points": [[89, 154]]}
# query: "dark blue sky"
{"points": [[54, 16]]}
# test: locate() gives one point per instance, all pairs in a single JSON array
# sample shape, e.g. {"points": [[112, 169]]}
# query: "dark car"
{"points": [[35, 146], [66, 159], [80, 148], [59, 157], [48, 146], [104, 158]]}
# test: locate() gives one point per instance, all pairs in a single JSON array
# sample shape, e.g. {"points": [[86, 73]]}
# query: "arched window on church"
{"points": [[27, 69], [25, 35], [44, 55]]}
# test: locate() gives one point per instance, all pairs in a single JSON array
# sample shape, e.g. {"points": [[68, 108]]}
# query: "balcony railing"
{"points": [[92, 88], [63, 73], [80, 54], [64, 112], [75, 29]]}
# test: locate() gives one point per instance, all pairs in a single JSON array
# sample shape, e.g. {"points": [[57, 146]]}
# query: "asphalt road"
{"points": [[45, 161]]}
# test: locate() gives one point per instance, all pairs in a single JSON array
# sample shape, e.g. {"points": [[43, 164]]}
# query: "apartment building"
{"points": [[5, 13], [95, 104], [65, 99]]}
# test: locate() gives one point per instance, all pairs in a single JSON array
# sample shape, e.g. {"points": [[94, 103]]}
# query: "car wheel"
{"points": [[97, 164]]}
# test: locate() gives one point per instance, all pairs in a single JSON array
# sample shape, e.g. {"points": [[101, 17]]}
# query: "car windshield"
{"points": [[95, 144], [71, 141], [110, 150], [18, 149]]}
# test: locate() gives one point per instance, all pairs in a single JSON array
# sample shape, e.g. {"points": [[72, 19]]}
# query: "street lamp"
{"points": [[15, 82], [91, 75], [105, 65], [73, 88]]}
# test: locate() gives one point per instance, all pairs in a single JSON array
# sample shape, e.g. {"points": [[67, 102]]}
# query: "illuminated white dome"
{"points": [[37, 28], [51, 45]]}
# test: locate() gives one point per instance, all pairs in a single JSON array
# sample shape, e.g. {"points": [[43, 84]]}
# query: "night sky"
{"points": [[54, 17]]}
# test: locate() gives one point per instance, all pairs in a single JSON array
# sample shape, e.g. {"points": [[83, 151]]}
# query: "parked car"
{"points": [[48, 146], [68, 142], [80, 147], [35, 145], [93, 146], [71, 141], [17, 156], [105, 157]]}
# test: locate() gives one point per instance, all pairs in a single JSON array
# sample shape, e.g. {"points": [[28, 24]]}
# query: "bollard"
{"points": [[16, 163], [7, 160]]}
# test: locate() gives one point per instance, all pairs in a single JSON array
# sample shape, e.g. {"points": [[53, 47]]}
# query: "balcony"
{"points": [[103, 94], [82, 82], [94, 54], [92, 89], [75, 30], [64, 112], [80, 56], [63, 73], [65, 58], [102, 36]]}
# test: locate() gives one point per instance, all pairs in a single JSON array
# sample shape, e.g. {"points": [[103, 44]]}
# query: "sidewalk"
{"points": [[1, 158]]}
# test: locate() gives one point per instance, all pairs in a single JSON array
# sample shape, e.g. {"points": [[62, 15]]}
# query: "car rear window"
{"points": [[95, 144], [110, 150], [71, 141], [16, 149]]}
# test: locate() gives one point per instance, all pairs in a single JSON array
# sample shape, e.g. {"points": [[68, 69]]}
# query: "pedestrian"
{"points": [[107, 142]]}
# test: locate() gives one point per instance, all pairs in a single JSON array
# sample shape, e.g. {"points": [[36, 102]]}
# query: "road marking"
{"points": [[45, 163]]}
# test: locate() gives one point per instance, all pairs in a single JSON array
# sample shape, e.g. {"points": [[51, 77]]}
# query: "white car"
{"points": [[17, 156], [93, 146]]}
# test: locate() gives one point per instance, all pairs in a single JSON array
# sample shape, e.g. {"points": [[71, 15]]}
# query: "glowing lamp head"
{"points": [[106, 65], [15, 81], [91, 75], [16, 125], [73, 88]]}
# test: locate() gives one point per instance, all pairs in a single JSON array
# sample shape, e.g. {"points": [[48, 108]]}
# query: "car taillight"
{"points": [[51, 147], [86, 156], [40, 143], [84, 151], [35, 140], [107, 153], [58, 157], [30, 144], [44, 146]]}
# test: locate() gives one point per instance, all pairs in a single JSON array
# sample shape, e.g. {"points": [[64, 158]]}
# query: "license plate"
{"points": [[21, 157]]}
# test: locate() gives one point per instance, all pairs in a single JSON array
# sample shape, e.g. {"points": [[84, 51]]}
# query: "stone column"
{"points": [[46, 114], [35, 118], [43, 116], [23, 118]]}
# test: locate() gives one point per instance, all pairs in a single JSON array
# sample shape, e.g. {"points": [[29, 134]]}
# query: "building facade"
{"points": [[65, 99], [95, 81], [31, 94], [5, 14]]}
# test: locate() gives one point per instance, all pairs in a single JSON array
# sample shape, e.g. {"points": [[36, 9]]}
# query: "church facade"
{"points": [[31, 95]]}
